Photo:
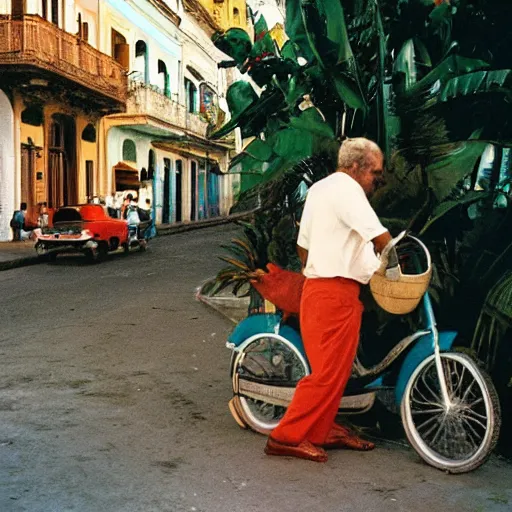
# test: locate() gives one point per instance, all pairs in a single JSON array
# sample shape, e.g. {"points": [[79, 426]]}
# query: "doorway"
{"points": [[193, 192], [167, 191], [179, 199], [120, 49], [62, 170], [28, 164]]}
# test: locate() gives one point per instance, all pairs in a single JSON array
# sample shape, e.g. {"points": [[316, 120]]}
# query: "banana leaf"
{"points": [[245, 164], [446, 207], [333, 13], [258, 149], [290, 51], [249, 181], [324, 23], [293, 90], [446, 171], [235, 43], [293, 144], [412, 55], [349, 91], [478, 82], [450, 67], [310, 120], [296, 31]]}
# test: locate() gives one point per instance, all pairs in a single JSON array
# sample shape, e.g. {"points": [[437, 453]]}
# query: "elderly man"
{"points": [[339, 235]]}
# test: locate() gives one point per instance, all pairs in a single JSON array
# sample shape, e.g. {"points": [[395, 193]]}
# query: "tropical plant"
{"points": [[431, 82]]}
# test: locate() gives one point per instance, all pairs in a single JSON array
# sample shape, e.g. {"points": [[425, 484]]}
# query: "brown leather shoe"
{"points": [[342, 437], [304, 450]]}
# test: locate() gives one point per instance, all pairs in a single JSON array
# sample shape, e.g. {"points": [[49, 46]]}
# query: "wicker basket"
{"points": [[402, 296]]}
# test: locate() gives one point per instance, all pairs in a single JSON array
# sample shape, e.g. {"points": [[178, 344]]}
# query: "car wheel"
{"points": [[92, 255], [102, 251]]}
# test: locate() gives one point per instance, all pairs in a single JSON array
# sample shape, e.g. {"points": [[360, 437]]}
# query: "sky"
{"points": [[269, 9]]}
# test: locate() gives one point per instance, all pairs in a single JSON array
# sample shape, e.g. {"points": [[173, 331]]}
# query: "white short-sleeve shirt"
{"points": [[336, 229]]}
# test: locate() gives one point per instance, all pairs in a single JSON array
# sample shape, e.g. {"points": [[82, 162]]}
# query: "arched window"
{"points": [[89, 133], [236, 16], [129, 151], [56, 138], [141, 61], [151, 164], [120, 49], [33, 116], [191, 96], [163, 78]]}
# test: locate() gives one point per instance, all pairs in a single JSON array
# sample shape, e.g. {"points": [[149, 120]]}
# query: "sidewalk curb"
{"points": [[21, 262], [162, 230], [172, 229]]}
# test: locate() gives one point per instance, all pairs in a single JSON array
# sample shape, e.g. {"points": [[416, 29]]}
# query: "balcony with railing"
{"points": [[31, 44], [150, 101]]}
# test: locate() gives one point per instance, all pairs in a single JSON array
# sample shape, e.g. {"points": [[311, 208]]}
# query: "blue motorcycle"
{"points": [[448, 406]]}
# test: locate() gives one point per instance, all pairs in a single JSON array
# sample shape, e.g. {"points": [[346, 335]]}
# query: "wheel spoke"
{"points": [[425, 400], [473, 431], [448, 376], [432, 392], [427, 422], [450, 434], [459, 384], [441, 425], [472, 404], [474, 420], [428, 411], [468, 390]]}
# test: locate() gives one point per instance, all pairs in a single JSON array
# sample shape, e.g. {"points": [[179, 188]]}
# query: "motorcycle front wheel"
{"points": [[458, 437], [268, 361]]}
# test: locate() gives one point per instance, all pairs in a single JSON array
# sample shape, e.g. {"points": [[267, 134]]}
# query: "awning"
{"points": [[126, 177]]}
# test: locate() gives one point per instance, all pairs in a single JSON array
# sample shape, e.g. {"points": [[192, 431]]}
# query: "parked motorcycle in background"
{"points": [[139, 229]]}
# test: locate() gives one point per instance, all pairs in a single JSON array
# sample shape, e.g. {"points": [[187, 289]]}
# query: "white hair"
{"points": [[356, 151]]}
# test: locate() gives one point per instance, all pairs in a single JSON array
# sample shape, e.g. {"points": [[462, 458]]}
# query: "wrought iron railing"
{"points": [[31, 40]]}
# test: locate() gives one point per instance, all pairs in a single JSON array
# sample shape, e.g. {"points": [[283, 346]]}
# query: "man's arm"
{"points": [[303, 255], [380, 242]]}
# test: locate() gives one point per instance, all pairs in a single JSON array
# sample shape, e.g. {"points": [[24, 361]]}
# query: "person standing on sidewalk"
{"points": [[339, 234], [18, 222]]}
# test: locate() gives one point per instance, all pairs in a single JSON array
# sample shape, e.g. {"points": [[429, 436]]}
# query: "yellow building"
{"points": [[226, 13], [278, 34], [55, 86]]}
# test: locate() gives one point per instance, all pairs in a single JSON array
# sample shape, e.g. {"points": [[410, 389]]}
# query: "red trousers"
{"points": [[330, 318]]}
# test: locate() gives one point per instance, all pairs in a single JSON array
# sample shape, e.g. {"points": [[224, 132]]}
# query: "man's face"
{"points": [[372, 176]]}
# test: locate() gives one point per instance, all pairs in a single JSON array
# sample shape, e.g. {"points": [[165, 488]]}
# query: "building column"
{"points": [[7, 167]]}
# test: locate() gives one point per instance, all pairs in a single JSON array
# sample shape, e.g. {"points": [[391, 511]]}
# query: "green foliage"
{"points": [[432, 85]]}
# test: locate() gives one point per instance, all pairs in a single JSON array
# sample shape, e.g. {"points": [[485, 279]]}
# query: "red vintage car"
{"points": [[85, 228]]}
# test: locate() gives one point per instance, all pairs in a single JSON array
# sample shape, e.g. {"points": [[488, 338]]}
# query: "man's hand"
{"points": [[381, 241]]}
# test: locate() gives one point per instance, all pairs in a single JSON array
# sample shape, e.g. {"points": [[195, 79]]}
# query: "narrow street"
{"points": [[113, 397]]}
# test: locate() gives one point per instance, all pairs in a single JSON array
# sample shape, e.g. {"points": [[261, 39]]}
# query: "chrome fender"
{"points": [[254, 326], [261, 324], [423, 348]]}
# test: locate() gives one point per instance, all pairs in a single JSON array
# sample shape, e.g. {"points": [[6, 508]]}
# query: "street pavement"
{"points": [[113, 397]]}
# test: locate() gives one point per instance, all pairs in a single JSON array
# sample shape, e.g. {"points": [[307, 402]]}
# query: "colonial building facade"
{"points": [[98, 98], [55, 85]]}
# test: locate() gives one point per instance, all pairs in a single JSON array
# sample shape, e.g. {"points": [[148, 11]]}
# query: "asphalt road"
{"points": [[113, 397]]}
